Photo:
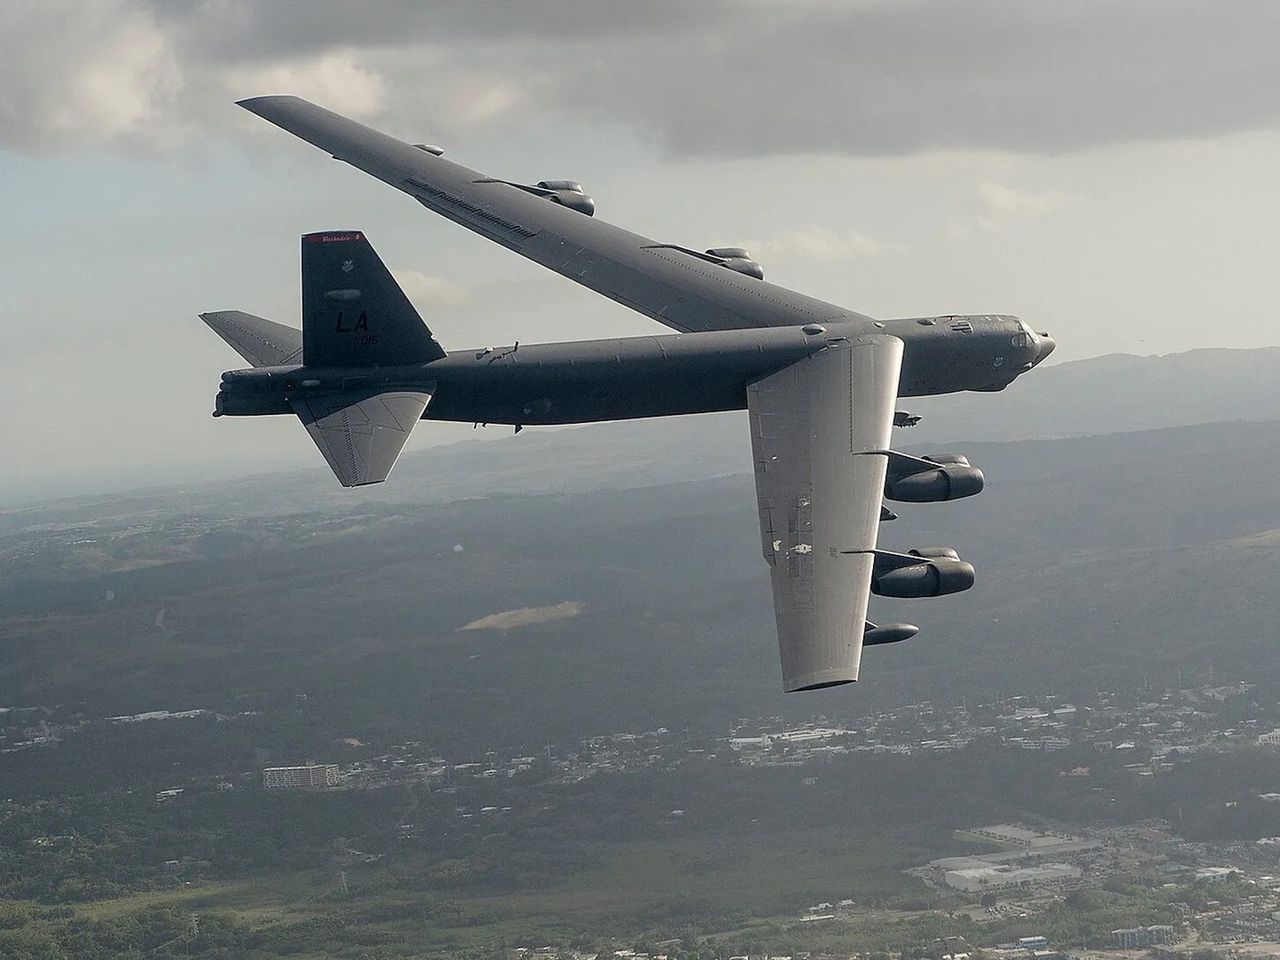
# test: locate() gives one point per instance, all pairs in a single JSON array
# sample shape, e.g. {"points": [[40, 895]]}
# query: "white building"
{"points": [[1003, 876], [310, 776]]}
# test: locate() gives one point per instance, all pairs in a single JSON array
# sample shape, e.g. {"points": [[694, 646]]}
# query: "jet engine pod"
{"points": [[928, 572], [571, 185], [935, 553], [738, 260], [568, 193], [873, 635], [748, 267], [575, 201], [946, 476]]}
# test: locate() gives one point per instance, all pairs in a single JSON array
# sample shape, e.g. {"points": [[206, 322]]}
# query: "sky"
{"points": [[1106, 170]]}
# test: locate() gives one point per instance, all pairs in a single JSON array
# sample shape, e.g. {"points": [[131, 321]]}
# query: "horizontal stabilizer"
{"points": [[361, 434], [261, 342]]}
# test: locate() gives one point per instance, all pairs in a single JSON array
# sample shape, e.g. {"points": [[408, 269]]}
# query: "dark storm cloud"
{"points": [[751, 77]]}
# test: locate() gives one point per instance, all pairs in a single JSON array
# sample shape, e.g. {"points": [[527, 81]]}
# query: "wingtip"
{"points": [[261, 104]]}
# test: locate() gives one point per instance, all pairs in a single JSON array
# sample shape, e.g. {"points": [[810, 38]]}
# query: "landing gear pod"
{"points": [[874, 635]]}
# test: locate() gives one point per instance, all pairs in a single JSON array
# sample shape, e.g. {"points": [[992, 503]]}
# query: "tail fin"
{"points": [[353, 313]]}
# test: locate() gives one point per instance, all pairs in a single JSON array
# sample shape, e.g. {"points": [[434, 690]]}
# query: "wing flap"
{"points": [[819, 434], [361, 435]]}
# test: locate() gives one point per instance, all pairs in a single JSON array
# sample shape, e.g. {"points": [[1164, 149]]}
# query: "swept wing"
{"points": [[819, 436], [681, 288]]}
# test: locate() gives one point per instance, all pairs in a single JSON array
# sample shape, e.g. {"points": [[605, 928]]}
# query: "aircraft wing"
{"points": [[682, 288], [820, 436], [261, 342], [361, 434]]}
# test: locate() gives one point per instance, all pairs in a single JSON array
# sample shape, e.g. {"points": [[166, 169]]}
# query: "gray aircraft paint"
{"points": [[820, 382]]}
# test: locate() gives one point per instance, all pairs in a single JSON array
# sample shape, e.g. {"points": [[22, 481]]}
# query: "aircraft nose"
{"points": [[1045, 345]]}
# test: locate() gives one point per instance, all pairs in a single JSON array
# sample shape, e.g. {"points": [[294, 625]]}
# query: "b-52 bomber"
{"points": [[820, 383]]}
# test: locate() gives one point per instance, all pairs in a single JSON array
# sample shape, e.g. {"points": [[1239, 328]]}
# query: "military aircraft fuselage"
{"points": [[634, 377]]}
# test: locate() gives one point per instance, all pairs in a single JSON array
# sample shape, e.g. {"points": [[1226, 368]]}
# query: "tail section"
{"points": [[354, 314], [261, 342], [361, 433]]}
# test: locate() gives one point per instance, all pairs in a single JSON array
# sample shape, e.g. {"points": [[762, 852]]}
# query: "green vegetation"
{"points": [[360, 610], [753, 848], [334, 636], [655, 889]]}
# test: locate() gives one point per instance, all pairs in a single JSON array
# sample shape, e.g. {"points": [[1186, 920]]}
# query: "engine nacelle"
{"points": [[575, 201], [567, 193], [934, 553], [936, 575], [573, 186], [738, 260], [946, 476], [748, 267]]}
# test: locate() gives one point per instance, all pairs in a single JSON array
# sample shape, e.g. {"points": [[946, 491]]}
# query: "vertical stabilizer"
{"points": [[354, 314]]}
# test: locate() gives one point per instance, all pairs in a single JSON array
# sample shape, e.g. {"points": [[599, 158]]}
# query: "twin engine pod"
{"points": [[738, 260], [926, 572], [568, 193], [945, 476]]}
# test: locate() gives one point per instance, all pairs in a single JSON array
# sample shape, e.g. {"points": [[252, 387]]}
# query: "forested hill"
{"points": [[1117, 393], [1101, 560]]}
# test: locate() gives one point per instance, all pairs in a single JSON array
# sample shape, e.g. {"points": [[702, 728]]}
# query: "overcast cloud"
{"points": [[1105, 169], [714, 78]]}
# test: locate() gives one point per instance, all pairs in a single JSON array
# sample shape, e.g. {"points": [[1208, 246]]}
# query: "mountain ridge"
{"points": [[1113, 393]]}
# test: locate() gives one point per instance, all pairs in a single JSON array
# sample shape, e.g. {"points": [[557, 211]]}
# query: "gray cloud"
{"points": [[717, 78]]}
